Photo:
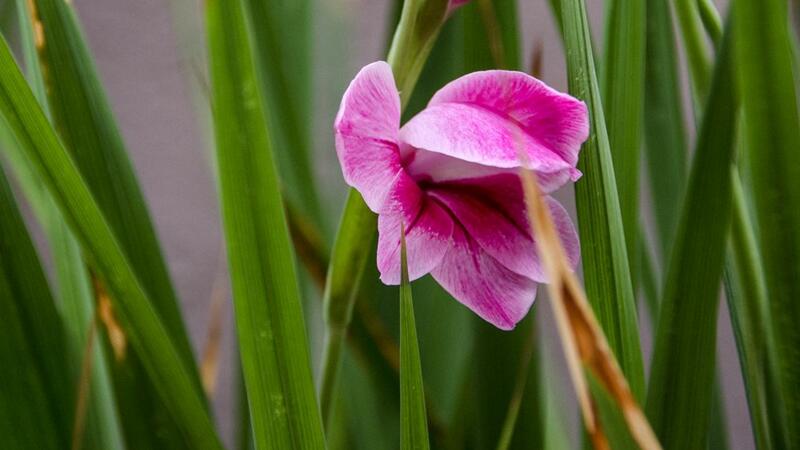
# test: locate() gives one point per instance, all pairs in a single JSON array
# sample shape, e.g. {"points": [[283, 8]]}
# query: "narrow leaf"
{"points": [[603, 249], [623, 100], [413, 420], [665, 149], [160, 356], [679, 398], [769, 96], [269, 316], [33, 359]]}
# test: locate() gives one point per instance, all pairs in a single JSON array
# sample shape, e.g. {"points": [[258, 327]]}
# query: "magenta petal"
{"points": [[428, 229], [439, 168], [496, 294], [556, 122], [366, 130], [478, 135]]}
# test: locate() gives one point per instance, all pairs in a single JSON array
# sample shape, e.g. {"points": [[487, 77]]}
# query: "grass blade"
{"points": [[281, 32], [269, 316], [679, 399], [769, 98], [83, 118], [745, 291], [691, 25], [34, 367], [146, 332], [603, 249], [413, 419], [665, 137], [623, 100]]}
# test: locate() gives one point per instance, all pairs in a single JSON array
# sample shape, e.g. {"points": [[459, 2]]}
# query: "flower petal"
{"points": [[366, 129], [553, 122], [475, 134], [428, 229], [433, 167], [492, 211], [496, 294]]}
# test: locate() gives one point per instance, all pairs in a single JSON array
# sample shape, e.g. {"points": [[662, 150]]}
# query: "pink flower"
{"points": [[450, 175], [456, 3]]}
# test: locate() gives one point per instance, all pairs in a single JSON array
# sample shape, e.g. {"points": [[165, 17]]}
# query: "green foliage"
{"points": [[141, 322], [603, 249], [769, 98], [679, 397], [269, 317]]}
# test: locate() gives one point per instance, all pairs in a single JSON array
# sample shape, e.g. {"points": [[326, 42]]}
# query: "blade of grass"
{"points": [[34, 354], [413, 419], [281, 32], [745, 291], [697, 54], [665, 149], [769, 98], [146, 332], [269, 317], [86, 125], [605, 259], [420, 22], [623, 102], [679, 398]]}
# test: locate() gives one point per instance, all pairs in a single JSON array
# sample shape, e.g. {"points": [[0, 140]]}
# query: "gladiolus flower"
{"points": [[450, 176]]}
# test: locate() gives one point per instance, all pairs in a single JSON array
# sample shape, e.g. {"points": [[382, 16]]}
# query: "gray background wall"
{"points": [[148, 69]]}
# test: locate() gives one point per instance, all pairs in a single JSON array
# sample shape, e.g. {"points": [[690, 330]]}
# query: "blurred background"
{"points": [[150, 55]]}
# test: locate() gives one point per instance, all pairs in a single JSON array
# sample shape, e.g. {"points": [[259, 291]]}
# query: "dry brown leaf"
{"points": [[209, 364], [584, 343], [116, 336]]}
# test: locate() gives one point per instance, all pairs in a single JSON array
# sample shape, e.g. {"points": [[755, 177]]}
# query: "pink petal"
{"points": [[428, 229], [478, 135], [496, 294], [554, 124], [366, 130], [438, 168], [492, 211], [456, 3]]}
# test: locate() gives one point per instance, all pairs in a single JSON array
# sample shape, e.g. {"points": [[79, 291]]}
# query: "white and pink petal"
{"points": [[366, 130], [482, 284], [428, 229]]}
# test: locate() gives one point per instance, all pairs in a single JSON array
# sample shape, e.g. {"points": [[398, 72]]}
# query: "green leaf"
{"points": [[623, 100], [83, 118], [148, 335], [745, 291], [665, 138], [269, 317], [769, 98], [679, 398], [413, 419], [33, 355], [603, 249], [281, 32], [691, 26]]}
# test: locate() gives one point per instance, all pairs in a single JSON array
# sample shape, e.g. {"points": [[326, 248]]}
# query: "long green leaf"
{"points": [[147, 334], [413, 419], [679, 398], [623, 100], [83, 118], [745, 291], [769, 98], [603, 249], [697, 54], [269, 316], [665, 149], [33, 358], [281, 32]]}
